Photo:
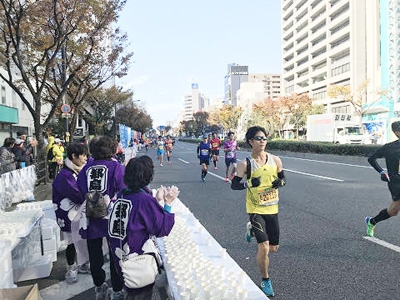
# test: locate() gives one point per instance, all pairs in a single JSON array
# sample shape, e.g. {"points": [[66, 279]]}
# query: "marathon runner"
{"points": [[168, 146], [230, 147], [264, 175], [160, 150], [215, 145], [391, 152], [203, 153]]}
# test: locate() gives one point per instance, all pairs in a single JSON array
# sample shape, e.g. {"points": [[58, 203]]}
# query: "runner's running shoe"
{"points": [[215, 168], [370, 227], [232, 175], [227, 179], [169, 162], [249, 232], [266, 287]]}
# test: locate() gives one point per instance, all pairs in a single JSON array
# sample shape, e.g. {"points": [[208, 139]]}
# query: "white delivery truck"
{"points": [[336, 128]]}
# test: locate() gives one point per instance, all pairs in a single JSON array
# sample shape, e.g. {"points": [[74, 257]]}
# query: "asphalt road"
{"points": [[323, 253]]}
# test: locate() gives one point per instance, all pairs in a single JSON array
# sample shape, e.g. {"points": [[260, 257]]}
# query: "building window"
{"points": [[341, 69], [14, 98], [319, 95], [3, 95], [341, 109]]}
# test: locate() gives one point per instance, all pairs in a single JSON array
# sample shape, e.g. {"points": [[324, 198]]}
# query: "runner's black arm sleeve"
{"points": [[237, 185], [198, 149], [372, 160]]}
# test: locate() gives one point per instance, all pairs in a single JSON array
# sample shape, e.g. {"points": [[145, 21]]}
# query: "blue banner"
{"points": [[123, 133]]}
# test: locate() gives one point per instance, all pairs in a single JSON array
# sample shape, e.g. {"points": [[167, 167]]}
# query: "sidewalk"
{"points": [[43, 191]]}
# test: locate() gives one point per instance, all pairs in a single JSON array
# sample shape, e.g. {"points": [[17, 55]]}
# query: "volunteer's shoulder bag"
{"points": [[140, 270]]}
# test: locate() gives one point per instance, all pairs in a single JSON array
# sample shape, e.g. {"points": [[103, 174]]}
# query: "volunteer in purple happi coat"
{"points": [[68, 204], [105, 175], [142, 217]]}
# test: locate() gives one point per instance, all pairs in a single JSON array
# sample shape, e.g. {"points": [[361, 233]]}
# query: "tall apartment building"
{"points": [[235, 76], [272, 83], [326, 42], [343, 42]]}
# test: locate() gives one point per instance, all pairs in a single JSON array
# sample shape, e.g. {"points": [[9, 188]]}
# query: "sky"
{"points": [[178, 42]]}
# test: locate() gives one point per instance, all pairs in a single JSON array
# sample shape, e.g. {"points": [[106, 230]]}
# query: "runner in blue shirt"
{"points": [[203, 153], [160, 150]]}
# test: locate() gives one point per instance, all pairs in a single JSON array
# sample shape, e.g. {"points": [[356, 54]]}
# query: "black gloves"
{"points": [[277, 183], [255, 182], [280, 181]]}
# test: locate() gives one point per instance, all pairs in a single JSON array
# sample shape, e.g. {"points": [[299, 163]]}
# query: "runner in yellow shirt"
{"points": [[264, 175]]}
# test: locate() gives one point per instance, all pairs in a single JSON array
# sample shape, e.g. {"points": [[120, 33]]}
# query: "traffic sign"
{"points": [[65, 108]]}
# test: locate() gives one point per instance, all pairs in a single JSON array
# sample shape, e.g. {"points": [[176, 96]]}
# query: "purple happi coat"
{"points": [[133, 218], [106, 176], [67, 197]]}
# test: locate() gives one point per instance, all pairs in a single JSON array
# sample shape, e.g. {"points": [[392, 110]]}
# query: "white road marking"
{"points": [[383, 243], [313, 175], [215, 175], [184, 161], [328, 162]]}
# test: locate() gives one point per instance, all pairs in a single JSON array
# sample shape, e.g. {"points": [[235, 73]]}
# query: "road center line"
{"points": [[327, 162], [184, 161], [383, 243], [313, 175], [215, 175]]}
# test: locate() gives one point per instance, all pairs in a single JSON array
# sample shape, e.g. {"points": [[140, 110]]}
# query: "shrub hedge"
{"points": [[312, 147]]}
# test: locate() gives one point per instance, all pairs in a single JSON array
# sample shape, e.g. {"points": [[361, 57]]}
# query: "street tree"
{"points": [[270, 113], [101, 108], [226, 117], [107, 61], [200, 123], [297, 106], [187, 127], [135, 117], [33, 40], [358, 99]]}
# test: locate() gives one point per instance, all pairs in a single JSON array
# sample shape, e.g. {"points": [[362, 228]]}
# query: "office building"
{"points": [[236, 75]]}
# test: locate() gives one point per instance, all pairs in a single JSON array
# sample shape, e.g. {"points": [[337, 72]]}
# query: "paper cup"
{"points": [[185, 295], [222, 252]]}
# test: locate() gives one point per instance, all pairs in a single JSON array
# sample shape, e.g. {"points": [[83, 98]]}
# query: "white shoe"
{"points": [[72, 274], [101, 292], [85, 268], [120, 295]]}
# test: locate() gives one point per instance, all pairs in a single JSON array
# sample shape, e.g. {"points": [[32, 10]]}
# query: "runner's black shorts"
{"points": [[205, 161], [169, 151], [265, 228], [394, 188], [229, 161], [215, 152]]}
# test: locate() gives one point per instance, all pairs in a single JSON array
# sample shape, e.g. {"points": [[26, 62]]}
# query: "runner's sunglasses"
{"points": [[259, 138]]}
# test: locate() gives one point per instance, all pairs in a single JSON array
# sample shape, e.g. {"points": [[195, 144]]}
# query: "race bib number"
{"points": [[215, 145], [267, 196], [119, 218], [230, 154], [161, 147], [204, 152], [97, 178]]}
